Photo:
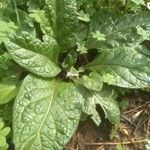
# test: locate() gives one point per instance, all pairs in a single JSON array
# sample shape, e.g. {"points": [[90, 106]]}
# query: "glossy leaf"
{"points": [[32, 61], [118, 30], [46, 114], [63, 20], [123, 67], [48, 47]]}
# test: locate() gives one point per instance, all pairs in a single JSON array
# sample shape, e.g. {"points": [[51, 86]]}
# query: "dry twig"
{"points": [[116, 143]]}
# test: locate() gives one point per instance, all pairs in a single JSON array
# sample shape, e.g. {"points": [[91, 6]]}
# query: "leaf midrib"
{"points": [[50, 104], [120, 29], [113, 65]]}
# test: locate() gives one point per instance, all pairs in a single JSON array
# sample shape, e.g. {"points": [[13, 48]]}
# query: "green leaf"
{"points": [[5, 131], [93, 81], [36, 4], [9, 78], [5, 29], [5, 64], [48, 47], [124, 67], [138, 2], [20, 2], [6, 111], [90, 109], [37, 15], [2, 141], [32, 61], [81, 48], [107, 100], [119, 30], [46, 114], [1, 124], [70, 60], [9, 90], [143, 33], [21, 20], [62, 16], [83, 16], [97, 35]]}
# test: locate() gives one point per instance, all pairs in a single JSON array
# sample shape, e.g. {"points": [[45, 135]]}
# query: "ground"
{"points": [[131, 134]]}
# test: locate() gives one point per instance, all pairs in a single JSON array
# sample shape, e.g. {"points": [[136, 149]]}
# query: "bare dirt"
{"points": [[131, 134]]}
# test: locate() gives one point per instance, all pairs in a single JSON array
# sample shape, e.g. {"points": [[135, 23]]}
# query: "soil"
{"points": [[131, 134]]}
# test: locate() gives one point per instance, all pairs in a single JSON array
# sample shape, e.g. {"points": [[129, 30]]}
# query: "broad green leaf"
{"points": [[48, 47], [32, 61], [107, 100], [63, 20], [46, 114], [118, 30], [93, 81], [124, 67]]}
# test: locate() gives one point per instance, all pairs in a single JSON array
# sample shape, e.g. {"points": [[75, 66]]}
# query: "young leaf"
{"points": [[3, 133], [32, 61], [63, 19], [81, 48], [107, 100], [9, 78], [123, 67], [138, 2], [5, 29], [90, 109], [93, 81], [36, 4], [8, 91], [46, 114], [2, 141]]}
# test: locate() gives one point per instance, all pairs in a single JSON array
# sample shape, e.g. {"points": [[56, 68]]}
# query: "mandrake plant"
{"points": [[59, 59]]}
